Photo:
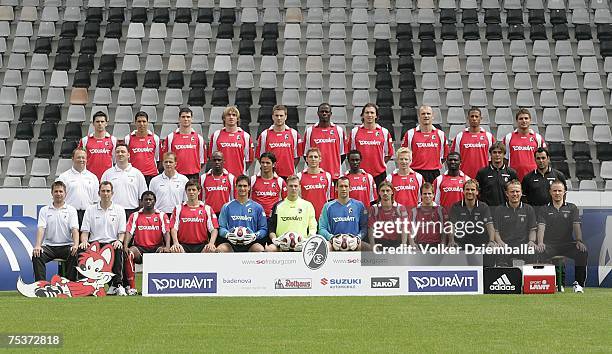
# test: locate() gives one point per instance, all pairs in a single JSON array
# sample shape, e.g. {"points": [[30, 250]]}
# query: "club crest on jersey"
{"points": [[481, 137], [192, 138], [249, 210], [200, 212], [363, 179], [433, 137], [155, 219], [377, 134], [350, 210], [222, 180], [411, 179], [331, 132], [299, 210], [273, 184], [565, 215], [238, 137], [522, 218], [106, 143], [322, 178], [530, 139]]}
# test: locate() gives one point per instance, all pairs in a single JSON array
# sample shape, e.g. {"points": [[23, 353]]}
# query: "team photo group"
{"points": [[187, 194]]}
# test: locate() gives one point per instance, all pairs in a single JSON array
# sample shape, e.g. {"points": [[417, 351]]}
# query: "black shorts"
{"points": [[429, 175], [195, 248], [241, 248], [144, 250]]}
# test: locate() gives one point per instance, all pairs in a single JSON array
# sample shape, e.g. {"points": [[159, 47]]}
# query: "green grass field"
{"points": [[565, 322]]}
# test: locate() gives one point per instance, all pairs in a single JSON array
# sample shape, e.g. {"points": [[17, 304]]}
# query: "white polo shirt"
{"points": [[103, 225], [128, 185], [81, 188], [58, 224], [169, 192]]}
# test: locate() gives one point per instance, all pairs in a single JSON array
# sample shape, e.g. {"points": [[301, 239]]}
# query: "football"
{"points": [[239, 235], [290, 241], [345, 242]]}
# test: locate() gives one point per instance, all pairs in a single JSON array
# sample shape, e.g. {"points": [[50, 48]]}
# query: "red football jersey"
{"points": [[428, 149], [377, 214], [190, 151], [193, 224], [332, 142], [217, 190], [362, 187], [316, 188], [148, 230], [100, 153], [285, 145], [520, 149], [268, 192], [375, 145], [448, 190], [144, 152], [429, 223], [407, 188], [237, 149], [474, 150]]}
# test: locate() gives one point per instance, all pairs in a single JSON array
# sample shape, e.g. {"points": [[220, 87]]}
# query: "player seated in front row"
{"points": [[150, 229], [344, 221], [242, 223], [428, 220], [194, 225], [292, 220]]}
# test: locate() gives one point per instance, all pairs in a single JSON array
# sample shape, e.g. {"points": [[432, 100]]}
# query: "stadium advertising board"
{"points": [[539, 279], [286, 274]]}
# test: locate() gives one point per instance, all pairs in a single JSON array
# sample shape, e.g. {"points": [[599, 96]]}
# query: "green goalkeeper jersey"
{"points": [[297, 216]]}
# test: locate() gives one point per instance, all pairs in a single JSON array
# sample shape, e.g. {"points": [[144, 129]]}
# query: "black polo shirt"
{"points": [[492, 183], [559, 222], [514, 225], [469, 225], [536, 186]]}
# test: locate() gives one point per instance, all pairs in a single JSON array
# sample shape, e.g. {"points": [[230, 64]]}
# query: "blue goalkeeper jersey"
{"points": [[250, 214], [337, 218]]}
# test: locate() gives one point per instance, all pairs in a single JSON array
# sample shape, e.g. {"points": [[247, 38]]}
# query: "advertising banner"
{"points": [[287, 274]]}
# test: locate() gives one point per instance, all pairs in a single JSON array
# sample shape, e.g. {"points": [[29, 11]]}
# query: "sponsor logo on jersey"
{"points": [[475, 146], [99, 151], [427, 145], [184, 146], [452, 189], [230, 145], [359, 188], [368, 142], [291, 218], [344, 219], [148, 228], [196, 220], [142, 150], [325, 141], [314, 186], [405, 188], [279, 145], [266, 193], [217, 189], [522, 148], [241, 218]]}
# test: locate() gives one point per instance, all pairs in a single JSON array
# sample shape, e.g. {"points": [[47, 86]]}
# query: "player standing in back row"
{"points": [[521, 144], [188, 146], [329, 138], [428, 144], [374, 142], [235, 144], [143, 145], [284, 142], [99, 145]]}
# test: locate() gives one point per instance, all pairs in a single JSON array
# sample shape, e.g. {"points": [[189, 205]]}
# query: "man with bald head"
{"points": [[429, 145]]}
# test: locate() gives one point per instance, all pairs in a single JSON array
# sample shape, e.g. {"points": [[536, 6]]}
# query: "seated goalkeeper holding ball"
{"points": [[344, 221], [242, 222], [292, 220]]}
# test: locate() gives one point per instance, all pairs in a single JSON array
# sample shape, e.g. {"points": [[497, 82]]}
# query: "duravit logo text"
{"points": [[182, 283], [442, 281]]}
